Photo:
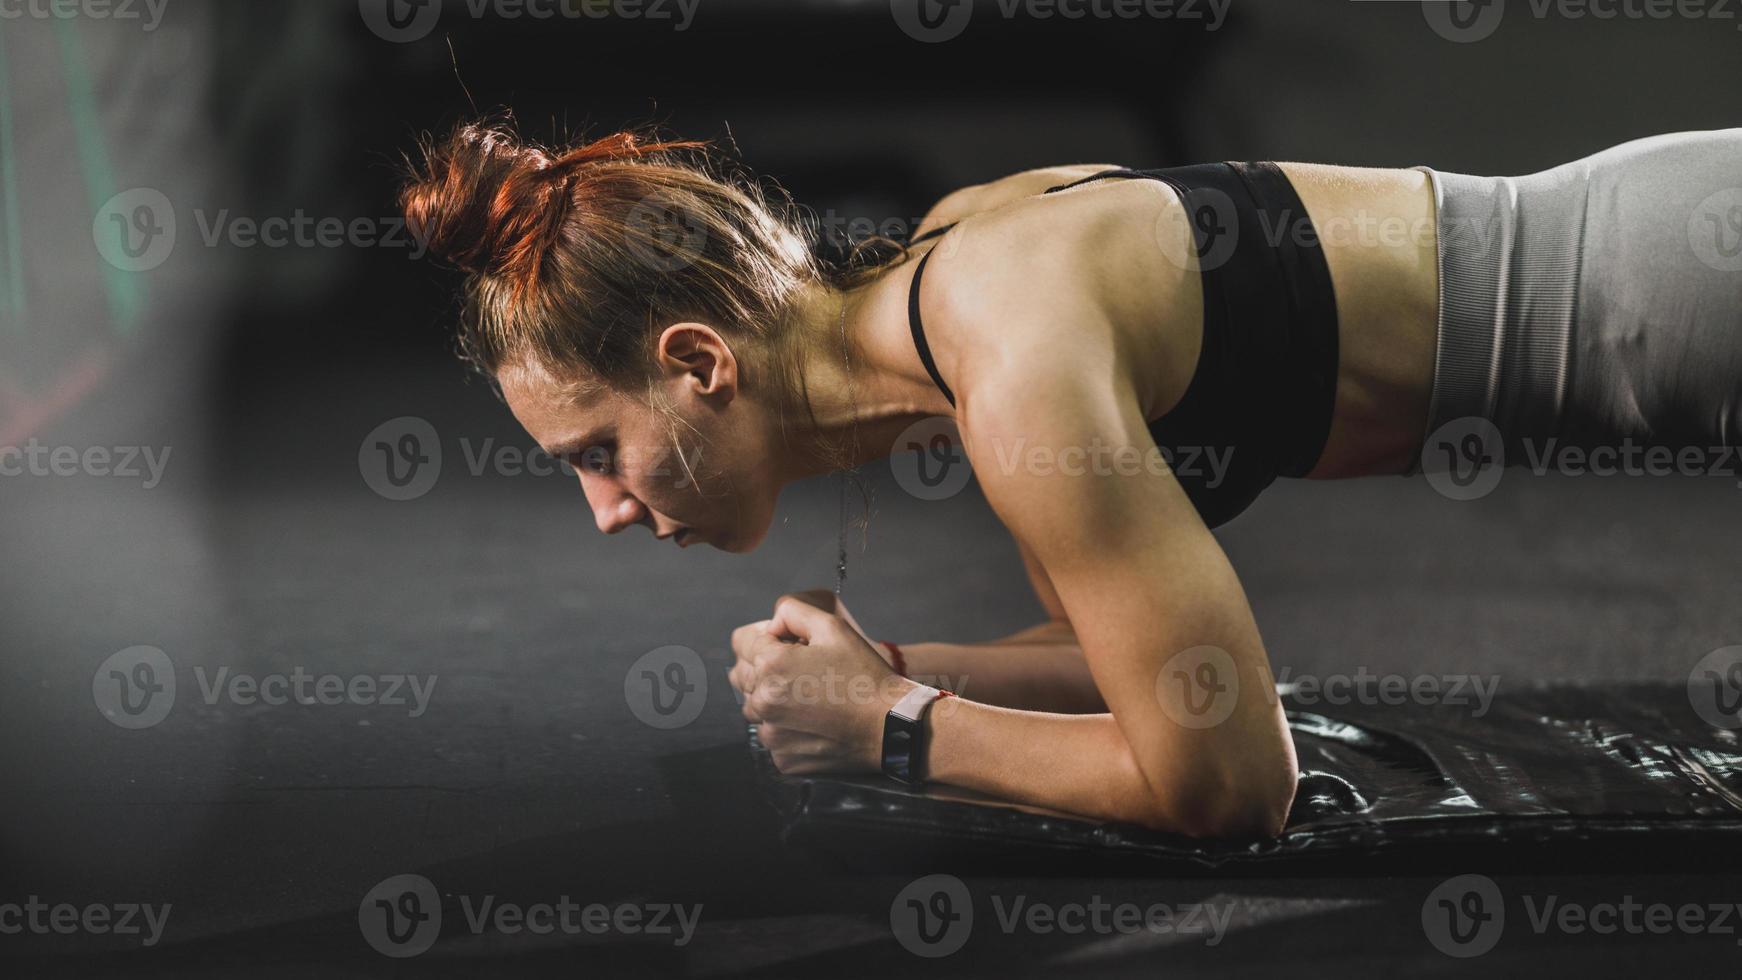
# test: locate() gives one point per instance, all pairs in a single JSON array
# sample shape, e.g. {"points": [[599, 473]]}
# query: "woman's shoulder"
{"points": [[1074, 281], [960, 204]]}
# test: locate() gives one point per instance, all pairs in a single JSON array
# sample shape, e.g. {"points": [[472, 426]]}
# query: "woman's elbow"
{"points": [[1237, 806], [1254, 815]]}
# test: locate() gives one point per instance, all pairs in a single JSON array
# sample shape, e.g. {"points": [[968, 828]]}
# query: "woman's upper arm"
{"points": [[1161, 617], [1043, 590]]}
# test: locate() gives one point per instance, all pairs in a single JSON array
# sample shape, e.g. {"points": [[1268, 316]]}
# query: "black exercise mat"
{"points": [[1622, 774]]}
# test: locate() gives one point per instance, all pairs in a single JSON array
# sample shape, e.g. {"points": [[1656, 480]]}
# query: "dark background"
{"points": [[263, 549]]}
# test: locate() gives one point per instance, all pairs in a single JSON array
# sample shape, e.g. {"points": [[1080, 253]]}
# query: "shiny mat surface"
{"points": [[1554, 771]]}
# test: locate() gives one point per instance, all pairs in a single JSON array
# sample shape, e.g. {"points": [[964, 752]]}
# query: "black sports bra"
{"points": [[1260, 400]]}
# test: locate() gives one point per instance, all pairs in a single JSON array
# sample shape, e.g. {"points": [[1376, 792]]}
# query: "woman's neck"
{"points": [[862, 391]]}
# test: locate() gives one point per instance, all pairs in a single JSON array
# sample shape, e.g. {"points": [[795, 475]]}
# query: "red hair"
{"points": [[494, 205]]}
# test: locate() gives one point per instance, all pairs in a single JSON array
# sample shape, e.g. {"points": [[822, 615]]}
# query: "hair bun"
{"points": [[491, 203]]}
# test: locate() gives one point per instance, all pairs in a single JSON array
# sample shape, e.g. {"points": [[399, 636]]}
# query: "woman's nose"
{"points": [[613, 509]]}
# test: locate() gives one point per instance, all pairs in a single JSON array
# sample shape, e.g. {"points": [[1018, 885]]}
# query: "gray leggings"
{"points": [[1597, 304]]}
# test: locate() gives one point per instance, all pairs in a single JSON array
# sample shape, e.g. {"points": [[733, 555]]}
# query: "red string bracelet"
{"points": [[896, 660]]}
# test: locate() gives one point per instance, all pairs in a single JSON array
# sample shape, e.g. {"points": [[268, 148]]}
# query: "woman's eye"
{"points": [[596, 459]]}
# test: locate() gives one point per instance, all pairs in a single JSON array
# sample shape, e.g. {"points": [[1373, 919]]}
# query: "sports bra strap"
{"points": [[935, 232], [918, 328], [1178, 187], [1120, 172]]}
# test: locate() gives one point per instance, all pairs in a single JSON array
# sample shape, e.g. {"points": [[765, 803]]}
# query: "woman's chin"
{"points": [[739, 541]]}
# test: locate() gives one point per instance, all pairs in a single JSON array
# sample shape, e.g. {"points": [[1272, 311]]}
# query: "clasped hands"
{"points": [[815, 686]]}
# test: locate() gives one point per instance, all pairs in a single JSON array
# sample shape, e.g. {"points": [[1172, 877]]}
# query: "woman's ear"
{"points": [[697, 354]]}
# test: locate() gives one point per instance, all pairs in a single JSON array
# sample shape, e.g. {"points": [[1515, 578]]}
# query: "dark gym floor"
{"points": [[529, 778]]}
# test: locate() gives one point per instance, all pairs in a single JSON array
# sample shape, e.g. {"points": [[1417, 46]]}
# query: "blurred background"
{"points": [[147, 309]]}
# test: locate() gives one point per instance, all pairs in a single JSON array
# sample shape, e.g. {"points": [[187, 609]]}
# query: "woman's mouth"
{"points": [[682, 537]]}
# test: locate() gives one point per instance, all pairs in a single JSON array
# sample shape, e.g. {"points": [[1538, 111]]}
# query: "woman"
{"points": [[663, 326]]}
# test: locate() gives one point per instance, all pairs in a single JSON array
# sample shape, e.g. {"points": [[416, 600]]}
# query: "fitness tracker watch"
{"points": [[904, 735]]}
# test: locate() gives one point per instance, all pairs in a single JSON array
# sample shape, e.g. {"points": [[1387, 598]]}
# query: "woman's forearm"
{"points": [[1031, 670], [1080, 764], [1083, 764]]}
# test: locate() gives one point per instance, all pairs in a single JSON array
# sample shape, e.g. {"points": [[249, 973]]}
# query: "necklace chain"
{"points": [[852, 401]]}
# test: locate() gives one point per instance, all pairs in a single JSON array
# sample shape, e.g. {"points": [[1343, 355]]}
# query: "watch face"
{"points": [[902, 748]]}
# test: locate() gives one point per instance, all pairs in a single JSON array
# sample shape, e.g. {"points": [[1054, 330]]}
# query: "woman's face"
{"points": [[719, 490]]}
